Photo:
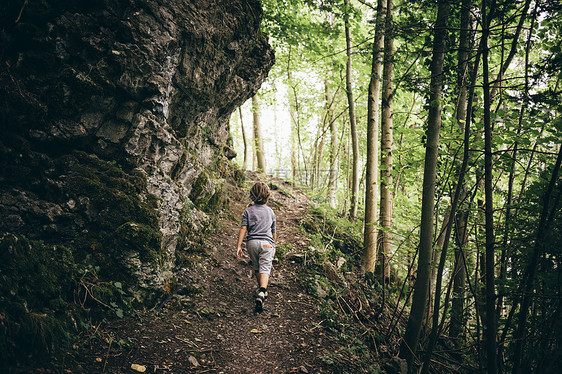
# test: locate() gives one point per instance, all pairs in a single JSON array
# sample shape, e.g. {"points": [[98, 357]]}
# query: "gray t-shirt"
{"points": [[260, 221]]}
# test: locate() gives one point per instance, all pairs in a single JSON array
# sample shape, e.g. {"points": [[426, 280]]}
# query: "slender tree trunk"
{"points": [[258, 143], [459, 274], [302, 173], [490, 332], [479, 280], [508, 210], [419, 299], [293, 115], [387, 145], [348, 171], [245, 163], [457, 198], [368, 260], [320, 149], [437, 250], [333, 173], [352, 120], [316, 156]]}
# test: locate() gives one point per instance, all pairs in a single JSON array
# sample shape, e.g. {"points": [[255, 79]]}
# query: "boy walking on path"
{"points": [[258, 222]]}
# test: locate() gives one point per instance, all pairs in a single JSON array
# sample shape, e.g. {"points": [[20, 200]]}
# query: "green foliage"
{"points": [[102, 298], [295, 22], [283, 248]]}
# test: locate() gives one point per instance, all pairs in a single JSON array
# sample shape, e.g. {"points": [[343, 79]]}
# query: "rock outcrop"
{"points": [[114, 122]]}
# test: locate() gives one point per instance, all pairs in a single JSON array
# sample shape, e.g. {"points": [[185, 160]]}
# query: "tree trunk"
{"points": [[512, 173], [459, 274], [317, 156], [292, 114], [352, 120], [456, 327], [368, 260], [333, 173], [245, 163], [258, 143], [457, 198], [437, 250], [419, 299], [490, 332], [387, 145]]}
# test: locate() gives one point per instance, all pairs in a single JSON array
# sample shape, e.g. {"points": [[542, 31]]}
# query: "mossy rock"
{"points": [[133, 237], [119, 215], [206, 194]]}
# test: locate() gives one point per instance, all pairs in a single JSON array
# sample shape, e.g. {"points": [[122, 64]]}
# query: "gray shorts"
{"points": [[261, 253]]}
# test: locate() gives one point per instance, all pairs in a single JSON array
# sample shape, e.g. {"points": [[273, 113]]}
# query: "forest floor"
{"points": [[214, 328]]}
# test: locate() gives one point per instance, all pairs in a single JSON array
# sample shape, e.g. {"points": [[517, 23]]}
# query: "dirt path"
{"points": [[217, 331]]}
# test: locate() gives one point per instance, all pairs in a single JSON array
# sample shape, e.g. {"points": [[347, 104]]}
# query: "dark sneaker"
{"points": [[260, 297]]}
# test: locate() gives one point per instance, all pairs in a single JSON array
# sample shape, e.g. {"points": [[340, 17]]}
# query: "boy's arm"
{"points": [[241, 235]]}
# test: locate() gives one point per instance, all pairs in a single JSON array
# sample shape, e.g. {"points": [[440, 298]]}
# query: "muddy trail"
{"points": [[210, 325]]}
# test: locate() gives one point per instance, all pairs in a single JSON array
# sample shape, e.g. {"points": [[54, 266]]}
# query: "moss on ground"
{"points": [[37, 284]]}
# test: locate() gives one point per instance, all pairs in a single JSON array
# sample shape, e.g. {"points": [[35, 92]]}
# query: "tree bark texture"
{"points": [[490, 332], [386, 146], [333, 173], [352, 121], [419, 298], [461, 218], [245, 163], [368, 260], [258, 142]]}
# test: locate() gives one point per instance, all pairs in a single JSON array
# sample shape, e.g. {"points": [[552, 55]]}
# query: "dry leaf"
{"points": [[193, 361], [256, 331], [98, 359], [139, 368]]}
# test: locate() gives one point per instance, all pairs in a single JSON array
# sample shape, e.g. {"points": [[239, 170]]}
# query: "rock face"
{"points": [[114, 122]]}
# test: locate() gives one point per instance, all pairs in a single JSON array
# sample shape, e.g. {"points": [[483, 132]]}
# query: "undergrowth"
{"points": [[350, 306]]}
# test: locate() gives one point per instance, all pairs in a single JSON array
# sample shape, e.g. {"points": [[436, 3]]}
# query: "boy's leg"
{"points": [[262, 274], [262, 279]]}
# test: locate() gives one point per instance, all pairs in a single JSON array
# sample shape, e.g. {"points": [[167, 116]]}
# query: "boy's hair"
{"points": [[259, 193]]}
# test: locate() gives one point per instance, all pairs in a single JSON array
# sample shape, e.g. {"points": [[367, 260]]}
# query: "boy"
{"points": [[258, 221]]}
